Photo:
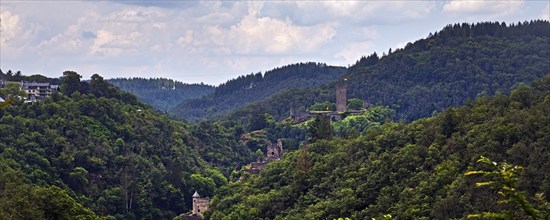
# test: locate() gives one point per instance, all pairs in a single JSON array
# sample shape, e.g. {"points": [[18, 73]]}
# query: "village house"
{"points": [[37, 91]]}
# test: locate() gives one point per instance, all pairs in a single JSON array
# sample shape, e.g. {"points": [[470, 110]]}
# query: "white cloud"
{"points": [[8, 26], [354, 51], [488, 8], [16, 33], [258, 35], [136, 15], [69, 41], [379, 11], [267, 35], [186, 40], [111, 44]]}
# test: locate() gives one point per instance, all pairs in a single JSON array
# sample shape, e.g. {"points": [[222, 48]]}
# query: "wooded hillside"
{"points": [[163, 94], [255, 87], [409, 171]]}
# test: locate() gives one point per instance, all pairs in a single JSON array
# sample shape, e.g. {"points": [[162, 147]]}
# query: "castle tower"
{"points": [[200, 205], [341, 97], [275, 151]]}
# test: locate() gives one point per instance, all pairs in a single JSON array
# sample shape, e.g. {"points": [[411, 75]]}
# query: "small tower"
{"points": [[200, 205], [341, 96]]}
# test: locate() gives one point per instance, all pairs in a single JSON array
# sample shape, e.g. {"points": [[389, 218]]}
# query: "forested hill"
{"points": [[415, 170], [92, 150], [254, 87], [161, 93], [453, 65], [446, 69]]}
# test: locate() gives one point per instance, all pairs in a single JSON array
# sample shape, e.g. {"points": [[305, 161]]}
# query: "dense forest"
{"points": [[18, 77], [453, 65], [411, 170], [163, 94], [92, 150], [443, 70], [254, 87]]}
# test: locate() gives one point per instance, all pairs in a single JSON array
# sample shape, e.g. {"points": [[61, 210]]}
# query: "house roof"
{"points": [[26, 85], [29, 84]]}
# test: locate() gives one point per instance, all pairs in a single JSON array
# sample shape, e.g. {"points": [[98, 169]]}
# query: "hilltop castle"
{"points": [[341, 107]]}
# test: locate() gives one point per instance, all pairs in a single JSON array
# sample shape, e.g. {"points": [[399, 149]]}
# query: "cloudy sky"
{"points": [[213, 41]]}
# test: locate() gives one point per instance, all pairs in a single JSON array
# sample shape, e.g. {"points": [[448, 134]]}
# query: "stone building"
{"points": [[200, 205], [274, 152], [300, 116]]}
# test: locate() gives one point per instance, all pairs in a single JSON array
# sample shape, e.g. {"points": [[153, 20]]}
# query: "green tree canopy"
{"points": [[355, 104], [70, 82]]}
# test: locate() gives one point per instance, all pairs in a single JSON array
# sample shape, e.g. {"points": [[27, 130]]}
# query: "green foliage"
{"points": [[163, 94], [320, 128], [260, 121], [21, 200], [12, 90], [452, 66], [220, 144], [355, 104], [353, 125], [101, 88], [103, 151], [10, 76], [406, 171], [70, 83], [247, 89], [504, 177], [279, 105], [323, 106]]}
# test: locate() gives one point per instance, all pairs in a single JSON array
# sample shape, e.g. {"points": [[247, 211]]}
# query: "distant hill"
{"points": [[254, 87], [454, 65], [443, 70], [161, 93]]}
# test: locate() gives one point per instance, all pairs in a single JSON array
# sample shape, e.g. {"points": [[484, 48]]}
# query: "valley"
{"points": [[391, 136]]}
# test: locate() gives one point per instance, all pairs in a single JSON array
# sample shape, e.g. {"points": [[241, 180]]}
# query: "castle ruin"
{"points": [[341, 107], [274, 152]]}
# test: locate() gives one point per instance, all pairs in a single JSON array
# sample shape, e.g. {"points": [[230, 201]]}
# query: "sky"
{"points": [[214, 41]]}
